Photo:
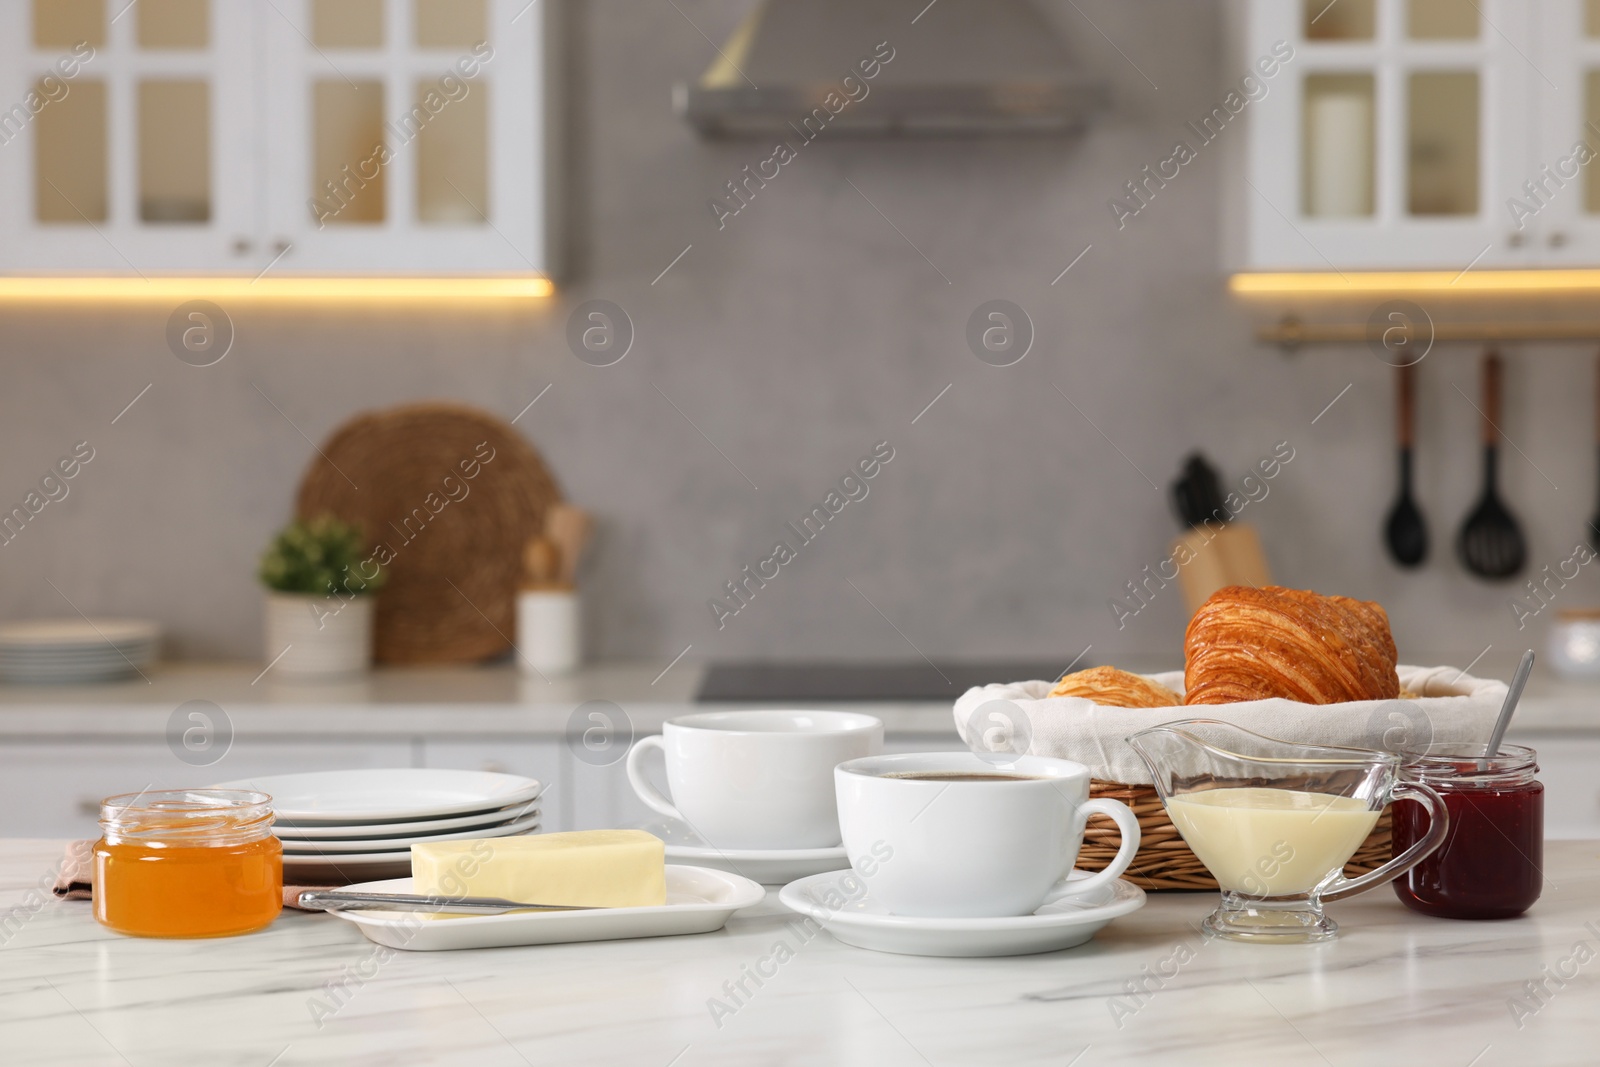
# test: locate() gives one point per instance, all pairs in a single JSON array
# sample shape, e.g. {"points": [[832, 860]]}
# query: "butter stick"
{"points": [[586, 868]]}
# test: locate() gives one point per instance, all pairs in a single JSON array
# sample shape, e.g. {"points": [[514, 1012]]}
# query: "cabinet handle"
{"points": [[89, 806], [280, 246], [1516, 240], [1557, 239], [242, 246]]}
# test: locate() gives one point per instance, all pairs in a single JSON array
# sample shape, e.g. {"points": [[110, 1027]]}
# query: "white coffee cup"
{"points": [[756, 779], [972, 849]]}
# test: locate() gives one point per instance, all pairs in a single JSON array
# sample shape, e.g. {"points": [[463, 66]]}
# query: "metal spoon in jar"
{"points": [[1513, 695]]}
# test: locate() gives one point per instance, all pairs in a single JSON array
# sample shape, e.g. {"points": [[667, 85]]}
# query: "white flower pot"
{"points": [[318, 637]]}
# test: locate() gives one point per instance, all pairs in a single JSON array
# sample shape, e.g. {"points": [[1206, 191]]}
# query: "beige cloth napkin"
{"points": [[1453, 707], [75, 880]]}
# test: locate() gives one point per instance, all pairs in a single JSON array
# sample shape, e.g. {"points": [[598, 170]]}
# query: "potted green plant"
{"points": [[320, 577]]}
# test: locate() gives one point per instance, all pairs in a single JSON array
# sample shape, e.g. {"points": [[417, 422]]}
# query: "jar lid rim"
{"points": [[186, 801], [1441, 753]]}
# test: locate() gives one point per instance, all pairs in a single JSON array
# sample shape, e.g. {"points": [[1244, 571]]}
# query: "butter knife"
{"points": [[337, 900]]}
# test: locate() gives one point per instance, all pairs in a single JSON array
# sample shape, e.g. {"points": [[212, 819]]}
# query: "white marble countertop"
{"points": [[1395, 988]]}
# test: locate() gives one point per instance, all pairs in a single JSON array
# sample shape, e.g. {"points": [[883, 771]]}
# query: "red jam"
{"points": [[1491, 863]]}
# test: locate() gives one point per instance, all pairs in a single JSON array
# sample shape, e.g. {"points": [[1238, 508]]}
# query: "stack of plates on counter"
{"points": [[345, 824], [76, 650]]}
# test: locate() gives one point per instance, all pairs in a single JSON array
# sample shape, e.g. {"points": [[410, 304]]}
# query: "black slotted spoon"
{"points": [[1491, 544], [1405, 531]]}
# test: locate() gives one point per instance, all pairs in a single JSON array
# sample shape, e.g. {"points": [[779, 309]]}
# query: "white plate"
{"points": [[77, 633], [77, 666], [699, 900], [72, 655], [379, 796], [767, 866], [362, 831], [40, 663], [109, 672], [320, 870], [863, 922], [525, 825]]}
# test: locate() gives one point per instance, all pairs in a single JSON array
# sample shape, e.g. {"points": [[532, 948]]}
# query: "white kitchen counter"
{"points": [[460, 701], [494, 700], [1395, 988], [62, 748]]}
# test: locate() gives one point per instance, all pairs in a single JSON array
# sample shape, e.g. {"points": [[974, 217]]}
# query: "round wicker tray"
{"points": [[1164, 861], [457, 544]]}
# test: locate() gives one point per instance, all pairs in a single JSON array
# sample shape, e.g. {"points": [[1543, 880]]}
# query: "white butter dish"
{"points": [[699, 900]]}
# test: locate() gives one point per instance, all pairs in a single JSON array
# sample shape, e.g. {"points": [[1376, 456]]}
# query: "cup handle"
{"points": [[1127, 822], [646, 792], [1337, 886]]}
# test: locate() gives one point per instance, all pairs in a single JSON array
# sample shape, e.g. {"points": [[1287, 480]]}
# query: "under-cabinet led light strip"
{"points": [[89, 288]]}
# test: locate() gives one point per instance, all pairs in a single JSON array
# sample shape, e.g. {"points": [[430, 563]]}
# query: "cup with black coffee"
{"points": [[970, 839]]}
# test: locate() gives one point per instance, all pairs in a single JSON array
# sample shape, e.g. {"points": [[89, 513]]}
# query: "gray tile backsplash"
{"points": [[795, 338]]}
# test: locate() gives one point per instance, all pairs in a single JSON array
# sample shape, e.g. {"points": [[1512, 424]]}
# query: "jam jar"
{"points": [[1491, 864], [187, 863]]}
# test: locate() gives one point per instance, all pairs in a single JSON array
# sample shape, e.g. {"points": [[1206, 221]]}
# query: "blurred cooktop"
{"points": [[808, 682]]}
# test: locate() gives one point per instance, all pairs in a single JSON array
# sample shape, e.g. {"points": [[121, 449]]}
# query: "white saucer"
{"points": [[698, 901], [865, 923], [777, 866]]}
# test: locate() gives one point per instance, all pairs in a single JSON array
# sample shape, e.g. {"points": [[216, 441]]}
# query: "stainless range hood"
{"points": [[953, 67]]}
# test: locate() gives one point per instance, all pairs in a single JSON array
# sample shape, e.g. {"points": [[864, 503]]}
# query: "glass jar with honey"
{"points": [[187, 863]]}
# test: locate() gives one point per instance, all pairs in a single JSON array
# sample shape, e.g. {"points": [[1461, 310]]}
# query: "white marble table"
{"points": [[1395, 989]]}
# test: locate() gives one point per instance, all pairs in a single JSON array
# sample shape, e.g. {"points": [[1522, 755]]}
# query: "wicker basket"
{"points": [[1164, 861], [451, 593], [1441, 704]]}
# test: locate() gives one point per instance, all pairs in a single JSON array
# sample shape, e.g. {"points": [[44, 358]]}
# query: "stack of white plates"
{"points": [[363, 823], [76, 650]]}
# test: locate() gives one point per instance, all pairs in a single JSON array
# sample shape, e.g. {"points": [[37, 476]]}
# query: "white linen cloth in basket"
{"points": [[1452, 707]]}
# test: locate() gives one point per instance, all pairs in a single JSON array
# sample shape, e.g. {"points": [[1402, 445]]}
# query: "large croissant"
{"points": [[1249, 644]]}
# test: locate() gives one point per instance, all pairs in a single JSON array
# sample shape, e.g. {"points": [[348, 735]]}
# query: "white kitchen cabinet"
{"points": [[320, 137], [405, 135], [1558, 200], [124, 157], [1395, 134], [54, 788], [1569, 767]]}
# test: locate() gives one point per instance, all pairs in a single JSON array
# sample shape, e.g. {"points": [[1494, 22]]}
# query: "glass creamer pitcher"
{"points": [[1275, 822]]}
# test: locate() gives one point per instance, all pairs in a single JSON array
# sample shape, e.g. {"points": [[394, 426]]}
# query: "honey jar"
{"points": [[187, 863]]}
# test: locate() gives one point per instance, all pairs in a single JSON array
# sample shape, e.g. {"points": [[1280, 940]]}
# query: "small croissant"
{"points": [[1112, 688]]}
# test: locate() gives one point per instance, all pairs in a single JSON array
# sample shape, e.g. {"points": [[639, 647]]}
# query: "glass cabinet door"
{"points": [[1390, 137], [126, 139], [1556, 204], [404, 136]]}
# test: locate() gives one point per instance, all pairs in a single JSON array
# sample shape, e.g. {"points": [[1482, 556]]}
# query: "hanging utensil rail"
{"points": [[1291, 332]]}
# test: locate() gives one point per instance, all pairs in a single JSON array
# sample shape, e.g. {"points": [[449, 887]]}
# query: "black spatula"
{"points": [[1405, 532], [1491, 544]]}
